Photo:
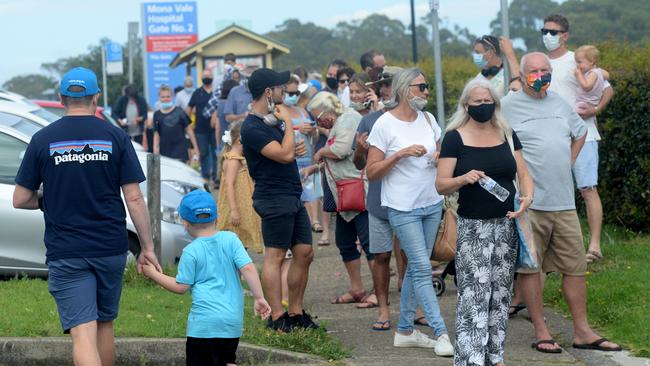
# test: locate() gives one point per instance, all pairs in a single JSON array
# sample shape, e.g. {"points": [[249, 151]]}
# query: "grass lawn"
{"points": [[618, 288], [146, 310]]}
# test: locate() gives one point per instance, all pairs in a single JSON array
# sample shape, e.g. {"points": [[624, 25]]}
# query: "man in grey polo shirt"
{"points": [[552, 135]]}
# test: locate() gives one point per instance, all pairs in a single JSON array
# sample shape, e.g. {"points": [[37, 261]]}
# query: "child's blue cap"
{"points": [[79, 76], [196, 204]]}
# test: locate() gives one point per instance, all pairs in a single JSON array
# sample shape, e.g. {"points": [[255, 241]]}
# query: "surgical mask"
{"points": [[417, 103], [207, 81], [479, 60], [358, 106], [481, 113], [166, 105], [539, 82], [551, 43], [290, 100], [189, 89], [270, 118], [332, 83]]}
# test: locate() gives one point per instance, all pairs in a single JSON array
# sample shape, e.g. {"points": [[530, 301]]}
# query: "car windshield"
{"points": [[46, 115], [20, 124]]}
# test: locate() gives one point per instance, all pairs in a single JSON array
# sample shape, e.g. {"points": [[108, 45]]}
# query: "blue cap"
{"points": [[197, 203], [79, 76], [316, 84]]}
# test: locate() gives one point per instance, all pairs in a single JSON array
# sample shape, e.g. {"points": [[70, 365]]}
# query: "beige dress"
{"points": [[250, 226]]}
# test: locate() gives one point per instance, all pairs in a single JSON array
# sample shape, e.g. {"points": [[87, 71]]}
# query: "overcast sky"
{"points": [[38, 31]]}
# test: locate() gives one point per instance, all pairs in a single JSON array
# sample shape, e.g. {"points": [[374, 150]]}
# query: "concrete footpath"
{"points": [[353, 326]]}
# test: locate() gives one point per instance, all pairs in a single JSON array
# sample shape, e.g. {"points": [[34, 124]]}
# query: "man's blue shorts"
{"points": [[86, 289]]}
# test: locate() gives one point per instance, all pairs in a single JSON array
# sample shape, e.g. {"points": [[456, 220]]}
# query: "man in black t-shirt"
{"points": [[82, 163], [170, 124], [270, 150], [205, 134]]}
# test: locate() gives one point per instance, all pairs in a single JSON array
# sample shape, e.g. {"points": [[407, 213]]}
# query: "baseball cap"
{"points": [[195, 204], [79, 76], [264, 78], [316, 84], [385, 75]]}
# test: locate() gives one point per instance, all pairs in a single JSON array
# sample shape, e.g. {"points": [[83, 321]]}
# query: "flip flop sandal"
{"points": [[515, 310], [544, 350], [323, 243], [365, 304], [381, 326], [596, 346], [351, 300], [316, 227], [421, 321]]}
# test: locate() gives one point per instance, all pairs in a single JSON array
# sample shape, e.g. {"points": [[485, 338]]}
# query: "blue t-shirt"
{"points": [[223, 124], [238, 100], [211, 265], [272, 179], [82, 162], [373, 198]]}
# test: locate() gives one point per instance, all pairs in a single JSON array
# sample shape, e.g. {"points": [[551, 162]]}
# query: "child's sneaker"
{"points": [[415, 339], [303, 320], [283, 323], [443, 346]]}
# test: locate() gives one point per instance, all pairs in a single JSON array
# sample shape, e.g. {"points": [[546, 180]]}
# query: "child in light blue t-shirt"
{"points": [[210, 267]]}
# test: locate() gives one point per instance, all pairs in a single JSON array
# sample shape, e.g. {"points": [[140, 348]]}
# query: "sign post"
{"points": [[114, 64], [104, 83], [133, 35], [167, 28], [435, 5]]}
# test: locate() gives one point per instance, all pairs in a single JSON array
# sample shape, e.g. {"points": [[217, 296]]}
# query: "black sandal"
{"points": [[517, 308]]}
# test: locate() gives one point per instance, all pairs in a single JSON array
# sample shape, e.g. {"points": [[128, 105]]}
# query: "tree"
{"points": [[526, 18], [31, 85]]}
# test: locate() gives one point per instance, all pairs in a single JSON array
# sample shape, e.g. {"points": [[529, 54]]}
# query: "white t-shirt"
{"points": [[411, 182], [564, 82]]}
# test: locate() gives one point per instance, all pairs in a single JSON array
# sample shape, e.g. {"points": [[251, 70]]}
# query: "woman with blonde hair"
{"points": [[476, 154], [337, 157]]}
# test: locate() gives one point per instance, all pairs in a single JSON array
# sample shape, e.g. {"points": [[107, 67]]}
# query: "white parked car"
{"points": [[21, 245]]}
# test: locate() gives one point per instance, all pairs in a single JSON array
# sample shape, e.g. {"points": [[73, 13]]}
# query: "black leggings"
{"points": [[211, 351], [346, 237]]}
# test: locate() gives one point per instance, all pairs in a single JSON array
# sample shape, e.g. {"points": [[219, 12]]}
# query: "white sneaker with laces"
{"points": [[415, 339], [443, 346]]}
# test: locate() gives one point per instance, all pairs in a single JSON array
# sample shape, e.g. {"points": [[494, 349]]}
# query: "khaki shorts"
{"points": [[558, 241]]}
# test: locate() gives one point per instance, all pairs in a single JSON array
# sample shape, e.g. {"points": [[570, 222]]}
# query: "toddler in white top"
{"points": [[591, 79]]}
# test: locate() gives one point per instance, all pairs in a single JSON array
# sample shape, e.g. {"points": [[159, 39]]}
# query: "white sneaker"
{"points": [[443, 346], [415, 339]]}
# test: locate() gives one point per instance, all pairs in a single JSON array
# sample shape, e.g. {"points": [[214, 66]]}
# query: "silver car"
{"points": [[21, 245]]}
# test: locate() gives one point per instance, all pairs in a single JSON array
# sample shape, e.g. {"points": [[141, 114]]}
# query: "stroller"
{"points": [[438, 277]]}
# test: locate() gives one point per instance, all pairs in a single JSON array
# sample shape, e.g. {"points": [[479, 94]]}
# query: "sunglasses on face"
{"points": [[291, 94], [422, 86], [553, 32], [343, 81]]}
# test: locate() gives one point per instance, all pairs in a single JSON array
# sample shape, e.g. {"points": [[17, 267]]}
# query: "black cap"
{"points": [[264, 78]]}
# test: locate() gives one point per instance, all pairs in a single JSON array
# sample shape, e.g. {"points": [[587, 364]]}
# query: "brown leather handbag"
{"points": [[444, 249]]}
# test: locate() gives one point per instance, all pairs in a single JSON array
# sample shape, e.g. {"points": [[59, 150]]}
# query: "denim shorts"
{"points": [[381, 235], [285, 222], [585, 169], [86, 289]]}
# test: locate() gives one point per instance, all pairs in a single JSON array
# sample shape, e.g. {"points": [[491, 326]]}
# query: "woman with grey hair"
{"points": [[337, 156], [477, 147], [403, 154]]}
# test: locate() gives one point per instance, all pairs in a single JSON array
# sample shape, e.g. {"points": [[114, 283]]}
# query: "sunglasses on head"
{"points": [[553, 32], [422, 86], [291, 94]]}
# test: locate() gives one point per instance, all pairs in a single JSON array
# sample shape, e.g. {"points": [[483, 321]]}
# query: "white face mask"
{"points": [[551, 43], [417, 103]]}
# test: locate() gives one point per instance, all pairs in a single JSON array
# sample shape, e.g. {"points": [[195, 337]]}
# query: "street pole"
{"points": [[505, 30], [437, 59], [153, 199], [413, 35], [104, 82], [133, 33]]}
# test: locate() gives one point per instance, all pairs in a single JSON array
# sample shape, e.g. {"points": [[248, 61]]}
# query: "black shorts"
{"points": [[285, 222], [211, 351]]}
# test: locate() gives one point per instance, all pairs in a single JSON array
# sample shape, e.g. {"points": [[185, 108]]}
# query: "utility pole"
{"points": [[153, 200], [104, 82], [505, 30], [413, 35], [133, 35], [437, 59]]}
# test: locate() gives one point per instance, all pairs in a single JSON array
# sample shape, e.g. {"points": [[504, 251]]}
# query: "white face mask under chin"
{"points": [[551, 43], [417, 103]]}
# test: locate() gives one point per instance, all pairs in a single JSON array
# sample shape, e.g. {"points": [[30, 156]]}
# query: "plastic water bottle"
{"points": [[494, 188]]}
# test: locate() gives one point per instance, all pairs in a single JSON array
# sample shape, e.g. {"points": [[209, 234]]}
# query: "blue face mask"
{"points": [[479, 60], [291, 100], [166, 105], [189, 90]]}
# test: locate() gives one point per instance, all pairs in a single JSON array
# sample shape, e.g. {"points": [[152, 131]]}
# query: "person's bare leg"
{"points": [[354, 272], [594, 216], [312, 211], [532, 294], [286, 263], [272, 280], [106, 342], [303, 255], [325, 220], [381, 280], [400, 261], [575, 294], [84, 345]]}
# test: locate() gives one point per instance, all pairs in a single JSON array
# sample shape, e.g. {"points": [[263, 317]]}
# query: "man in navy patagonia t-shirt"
{"points": [[82, 163]]}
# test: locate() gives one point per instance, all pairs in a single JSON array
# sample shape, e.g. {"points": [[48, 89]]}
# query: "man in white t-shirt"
{"points": [[555, 35]]}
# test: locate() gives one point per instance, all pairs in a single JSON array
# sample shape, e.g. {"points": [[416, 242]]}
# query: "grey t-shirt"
{"points": [[373, 198], [546, 128]]}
